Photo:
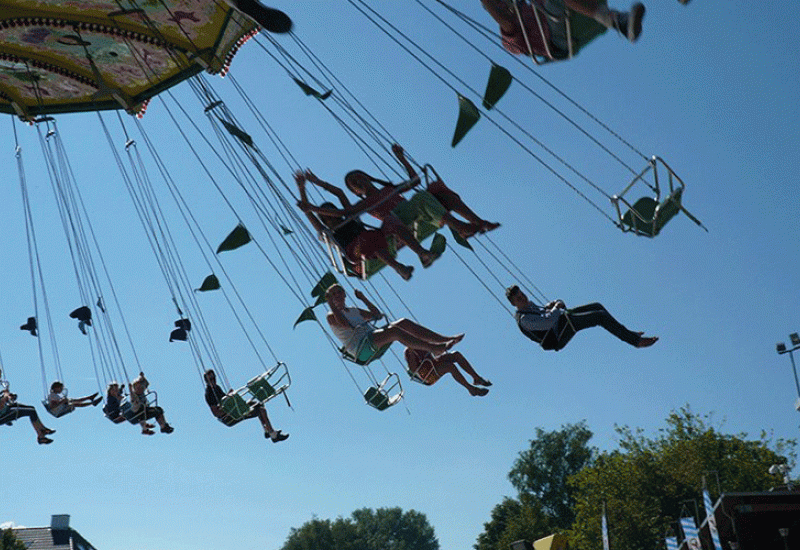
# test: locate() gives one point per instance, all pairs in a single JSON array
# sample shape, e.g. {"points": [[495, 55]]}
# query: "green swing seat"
{"points": [[379, 396], [238, 405], [579, 29], [648, 215]]}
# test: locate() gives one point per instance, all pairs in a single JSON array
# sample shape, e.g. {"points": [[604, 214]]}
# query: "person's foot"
{"points": [[270, 19], [148, 426], [93, 396], [478, 392], [457, 338], [427, 258], [646, 341], [96, 401], [277, 436], [147, 431], [481, 382], [44, 440], [405, 272], [167, 429], [630, 24], [488, 226], [48, 431]]}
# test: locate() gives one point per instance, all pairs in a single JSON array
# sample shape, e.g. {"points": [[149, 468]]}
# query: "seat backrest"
{"points": [[234, 406], [641, 216], [668, 209], [260, 388]]}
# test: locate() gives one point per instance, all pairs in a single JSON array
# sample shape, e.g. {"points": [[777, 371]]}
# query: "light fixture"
{"points": [[781, 347], [795, 338]]}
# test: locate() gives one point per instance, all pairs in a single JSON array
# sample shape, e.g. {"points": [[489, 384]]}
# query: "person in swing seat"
{"points": [[351, 325], [214, 397], [10, 410], [528, 39], [143, 411], [428, 369], [553, 325], [58, 403], [356, 241]]}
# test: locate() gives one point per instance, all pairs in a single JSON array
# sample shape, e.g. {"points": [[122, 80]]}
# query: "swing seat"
{"points": [[647, 216], [577, 29], [57, 411], [126, 408], [235, 409], [269, 384], [379, 396], [358, 360]]}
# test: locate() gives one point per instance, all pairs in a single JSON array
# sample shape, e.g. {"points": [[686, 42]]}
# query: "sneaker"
{"points": [[630, 24], [167, 429], [278, 436], [147, 431]]}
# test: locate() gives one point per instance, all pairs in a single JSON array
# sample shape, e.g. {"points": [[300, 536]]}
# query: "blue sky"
{"points": [[712, 88]]}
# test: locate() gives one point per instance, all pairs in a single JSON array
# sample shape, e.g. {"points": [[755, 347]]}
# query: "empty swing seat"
{"points": [[235, 409], [378, 396], [648, 217], [260, 388]]}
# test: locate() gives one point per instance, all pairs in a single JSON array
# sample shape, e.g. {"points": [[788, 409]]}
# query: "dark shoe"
{"points": [[96, 401], [630, 24], [482, 382], [48, 431], [279, 436], [167, 429], [147, 431], [42, 440], [478, 392], [270, 19]]}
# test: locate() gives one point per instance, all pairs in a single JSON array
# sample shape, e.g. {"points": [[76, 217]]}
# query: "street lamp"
{"points": [[781, 349]]}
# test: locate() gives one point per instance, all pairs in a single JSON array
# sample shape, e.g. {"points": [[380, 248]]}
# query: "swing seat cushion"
{"points": [[366, 354], [260, 388]]}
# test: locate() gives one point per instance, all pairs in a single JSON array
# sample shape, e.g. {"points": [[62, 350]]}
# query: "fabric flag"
{"points": [[605, 530], [672, 543], [712, 522], [690, 532]]}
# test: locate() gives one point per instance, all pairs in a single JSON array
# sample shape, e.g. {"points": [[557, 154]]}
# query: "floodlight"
{"points": [[795, 338], [781, 347]]}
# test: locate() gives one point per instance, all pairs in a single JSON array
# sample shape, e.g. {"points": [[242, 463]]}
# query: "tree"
{"points": [[366, 529], [545, 500], [10, 542], [648, 481], [514, 520], [543, 470]]}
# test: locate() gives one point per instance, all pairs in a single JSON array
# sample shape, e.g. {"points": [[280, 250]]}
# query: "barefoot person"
{"points": [[428, 369]]}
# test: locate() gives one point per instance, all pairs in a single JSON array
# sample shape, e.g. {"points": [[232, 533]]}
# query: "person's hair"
{"points": [[55, 384], [351, 173], [207, 373], [511, 291], [330, 288]]}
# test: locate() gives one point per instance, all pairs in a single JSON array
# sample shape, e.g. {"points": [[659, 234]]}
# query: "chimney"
{"points": [[59, 522]]}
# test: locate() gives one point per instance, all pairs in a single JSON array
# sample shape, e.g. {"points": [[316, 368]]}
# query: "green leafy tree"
{"points": [[514, 520], [366, 529], [648, 481], [542, 471], [10, 542], [545, 499]]}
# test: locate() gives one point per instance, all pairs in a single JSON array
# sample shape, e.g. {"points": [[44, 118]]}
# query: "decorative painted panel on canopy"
{"points": [[61, 56]]}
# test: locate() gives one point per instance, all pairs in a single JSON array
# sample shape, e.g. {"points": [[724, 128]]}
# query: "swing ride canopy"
{"points": [[84, 55]]}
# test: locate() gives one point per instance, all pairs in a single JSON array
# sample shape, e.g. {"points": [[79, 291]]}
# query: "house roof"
{"points": [[47, 538]]}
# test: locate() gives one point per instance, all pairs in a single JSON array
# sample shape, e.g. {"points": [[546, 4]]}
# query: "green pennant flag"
{"points": [[308, 90], [499, 81], [209, 283], [307, 315], [468, 115], [237, 133], [322, 286], [238, 237]]}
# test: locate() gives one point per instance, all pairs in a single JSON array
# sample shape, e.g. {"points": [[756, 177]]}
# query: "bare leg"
{"points": [[394, 226], [403, 270], [501, 13], [464, 229], [262, 416], [423, 333], [459, 358], [384, 336], [446, 364]]}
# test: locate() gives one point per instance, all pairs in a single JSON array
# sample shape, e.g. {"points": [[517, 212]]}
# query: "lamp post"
{"points": [[781, 349]]}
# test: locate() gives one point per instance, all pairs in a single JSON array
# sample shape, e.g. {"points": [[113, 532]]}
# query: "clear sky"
{"points": [[711, 87]]}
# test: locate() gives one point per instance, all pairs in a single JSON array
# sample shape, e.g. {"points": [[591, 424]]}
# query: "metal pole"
{"points": [[794, 370]]}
